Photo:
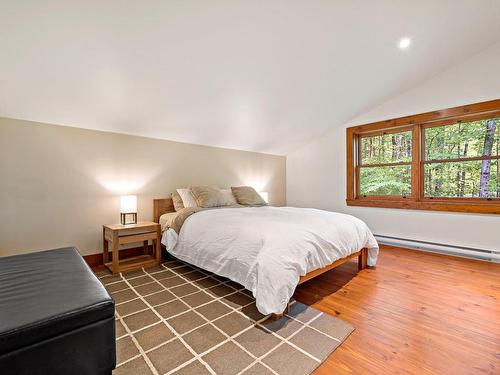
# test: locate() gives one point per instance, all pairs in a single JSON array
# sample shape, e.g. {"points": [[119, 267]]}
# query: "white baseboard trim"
{"points": [[466, 252]]}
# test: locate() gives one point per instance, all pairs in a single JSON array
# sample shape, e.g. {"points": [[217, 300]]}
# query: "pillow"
{"points": [[176, 198], [247, 196], [207, 196], [187, 198], [228, 195]]}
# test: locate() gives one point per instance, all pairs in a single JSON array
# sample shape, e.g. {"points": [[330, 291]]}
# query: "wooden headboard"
{"points": [[162, 206]]}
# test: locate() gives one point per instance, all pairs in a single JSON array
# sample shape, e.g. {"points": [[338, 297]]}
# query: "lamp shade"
{"points": [[264, 195], [128, 204]]}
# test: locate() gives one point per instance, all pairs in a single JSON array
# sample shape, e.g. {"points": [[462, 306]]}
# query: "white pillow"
{"points": [[228, 196], [187, 198]]}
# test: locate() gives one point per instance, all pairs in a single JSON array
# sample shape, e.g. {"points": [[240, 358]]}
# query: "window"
{"points": [[385, 164], [461, 160], [446, 160]]}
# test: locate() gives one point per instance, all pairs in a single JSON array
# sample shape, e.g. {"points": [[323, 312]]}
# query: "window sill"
{"points": [[434, 205]]}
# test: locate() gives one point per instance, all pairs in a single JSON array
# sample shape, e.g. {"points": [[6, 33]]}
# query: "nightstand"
{"points": [[118, 234]]}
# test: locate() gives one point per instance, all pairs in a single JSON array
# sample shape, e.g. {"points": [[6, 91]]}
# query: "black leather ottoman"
{"points": [[55, 316]]}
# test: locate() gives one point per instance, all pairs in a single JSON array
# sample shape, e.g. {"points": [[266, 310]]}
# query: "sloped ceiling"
{"points": [[262, 76]]}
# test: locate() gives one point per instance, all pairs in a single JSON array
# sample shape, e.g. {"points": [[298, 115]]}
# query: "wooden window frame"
{"points": [[417, 124]]}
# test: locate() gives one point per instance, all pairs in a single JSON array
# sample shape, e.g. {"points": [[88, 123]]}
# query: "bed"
{"points": [[269, 250]]}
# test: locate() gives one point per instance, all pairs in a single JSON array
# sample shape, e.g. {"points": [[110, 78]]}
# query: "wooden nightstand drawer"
{"points": [[137, 237]]}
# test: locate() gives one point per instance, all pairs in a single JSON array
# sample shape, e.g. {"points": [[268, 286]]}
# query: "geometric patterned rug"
{"points": [[179, 319]]}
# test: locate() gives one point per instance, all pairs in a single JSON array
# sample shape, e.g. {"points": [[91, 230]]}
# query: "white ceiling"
{"points": [[253, 75]]}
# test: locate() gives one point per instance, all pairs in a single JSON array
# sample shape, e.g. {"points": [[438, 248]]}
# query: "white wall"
{"points": [[316, 172]]}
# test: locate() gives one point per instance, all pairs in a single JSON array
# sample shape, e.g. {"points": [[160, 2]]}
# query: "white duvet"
{"points": [[267, 249]]}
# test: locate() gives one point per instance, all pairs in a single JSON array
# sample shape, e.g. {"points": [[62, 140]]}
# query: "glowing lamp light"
{"points": [[128, 207], [264, 196], [404, 43]]}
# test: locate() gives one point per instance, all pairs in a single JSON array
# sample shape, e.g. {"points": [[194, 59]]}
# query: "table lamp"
{"points": [[128, 208]]}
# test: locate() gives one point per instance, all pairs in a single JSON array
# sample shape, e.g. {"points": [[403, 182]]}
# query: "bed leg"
{"points": [[279, 316], [276, 316], [362, 259]]}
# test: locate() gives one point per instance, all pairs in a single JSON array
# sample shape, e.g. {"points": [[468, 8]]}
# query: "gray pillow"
{"points": [[247, 196]]}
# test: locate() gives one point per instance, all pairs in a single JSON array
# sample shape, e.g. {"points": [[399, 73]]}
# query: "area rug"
{"points": [[179, 319]]}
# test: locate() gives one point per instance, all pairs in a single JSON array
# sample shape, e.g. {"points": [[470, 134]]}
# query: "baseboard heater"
{"points": [[467, 252]]}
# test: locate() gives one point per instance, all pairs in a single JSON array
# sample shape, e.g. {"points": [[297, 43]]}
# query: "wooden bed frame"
{"points": [[166, 205]]}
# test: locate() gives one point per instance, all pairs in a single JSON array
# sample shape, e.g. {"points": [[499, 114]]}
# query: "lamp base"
{"points": [[123, 218]]}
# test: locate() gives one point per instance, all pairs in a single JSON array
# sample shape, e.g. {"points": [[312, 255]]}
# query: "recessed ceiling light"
{"points": [[404, 43]]}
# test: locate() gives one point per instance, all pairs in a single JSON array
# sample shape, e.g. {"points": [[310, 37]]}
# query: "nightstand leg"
{"points": [[158, 247], [105, 247], [116, 267]]}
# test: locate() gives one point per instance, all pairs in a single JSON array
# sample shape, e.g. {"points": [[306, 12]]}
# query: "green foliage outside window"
{"points": [[460, 179], [456, 179], [463, 179], [461, 140], [386, 148], [392, 180]]}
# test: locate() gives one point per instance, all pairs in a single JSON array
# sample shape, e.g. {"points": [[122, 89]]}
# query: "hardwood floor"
{"points": [[415, 313]]}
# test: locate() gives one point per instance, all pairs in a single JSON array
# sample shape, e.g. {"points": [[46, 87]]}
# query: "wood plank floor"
{"points": [[415, 313]]}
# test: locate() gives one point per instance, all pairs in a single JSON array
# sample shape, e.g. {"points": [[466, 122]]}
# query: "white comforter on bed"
{"points": [[267, 249]]}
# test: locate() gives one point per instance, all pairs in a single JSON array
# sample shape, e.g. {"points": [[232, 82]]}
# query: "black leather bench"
{"points": [[55, 316]]}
